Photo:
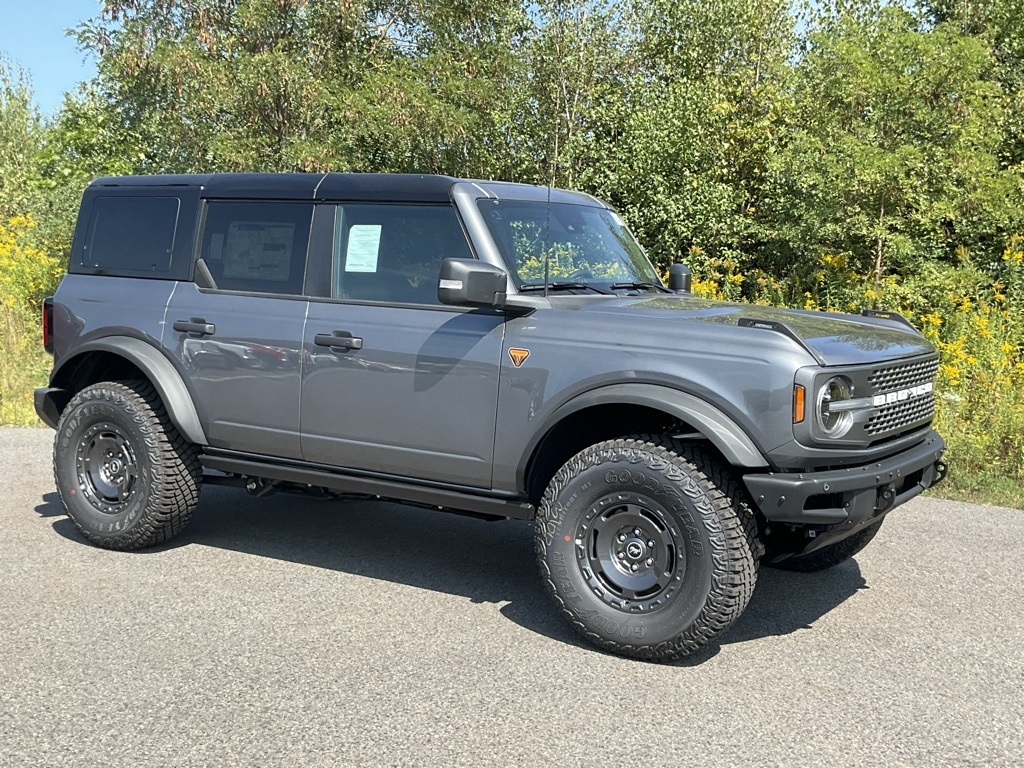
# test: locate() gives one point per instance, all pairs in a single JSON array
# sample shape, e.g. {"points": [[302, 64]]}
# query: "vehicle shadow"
{"points": [[485, 562]]}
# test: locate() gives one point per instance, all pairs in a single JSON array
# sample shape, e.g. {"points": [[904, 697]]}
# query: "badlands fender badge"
{"points": [[518, 355]]}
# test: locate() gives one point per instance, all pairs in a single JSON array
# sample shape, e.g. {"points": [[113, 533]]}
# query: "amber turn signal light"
{"points": [[798, 404]]}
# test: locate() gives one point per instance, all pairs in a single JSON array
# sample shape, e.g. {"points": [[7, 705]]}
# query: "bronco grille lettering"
{"points": [[902, 394]]}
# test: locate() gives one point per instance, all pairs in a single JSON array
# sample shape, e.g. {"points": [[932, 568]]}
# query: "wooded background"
{"points": [[838, 155]]}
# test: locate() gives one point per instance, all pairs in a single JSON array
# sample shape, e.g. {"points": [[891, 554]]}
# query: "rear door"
{"points": [[240, 341], [395, 382]]}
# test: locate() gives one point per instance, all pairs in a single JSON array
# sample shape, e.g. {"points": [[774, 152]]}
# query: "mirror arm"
{"points": [[518, 305]]}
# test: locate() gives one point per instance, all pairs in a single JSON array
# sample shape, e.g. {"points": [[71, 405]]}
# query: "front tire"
{"points": [[649, 548], [127, 478]]}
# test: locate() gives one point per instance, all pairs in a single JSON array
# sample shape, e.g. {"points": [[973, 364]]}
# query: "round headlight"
{"points": [[834, 423]]}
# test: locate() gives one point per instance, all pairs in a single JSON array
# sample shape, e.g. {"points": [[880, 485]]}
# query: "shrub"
{"points": [[27, 273]]}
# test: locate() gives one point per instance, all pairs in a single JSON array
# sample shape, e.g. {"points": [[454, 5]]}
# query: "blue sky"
{"points": [[32, 34]]}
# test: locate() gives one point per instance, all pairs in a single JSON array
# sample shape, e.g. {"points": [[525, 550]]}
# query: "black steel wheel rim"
{"points": [[630, 552], [106, 467]]}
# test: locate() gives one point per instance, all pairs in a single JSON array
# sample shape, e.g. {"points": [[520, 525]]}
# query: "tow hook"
{"points": [[885, 499]]}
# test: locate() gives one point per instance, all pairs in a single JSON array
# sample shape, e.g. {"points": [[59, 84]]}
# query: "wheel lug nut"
{"points": [[622, 537], [650, 561], [634, 567], [650, 542], [622, 555], [637, 531]]}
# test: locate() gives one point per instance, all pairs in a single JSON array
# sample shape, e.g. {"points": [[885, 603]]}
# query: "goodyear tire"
{"points": [[648, 548], [832, 555], [127, 478]]}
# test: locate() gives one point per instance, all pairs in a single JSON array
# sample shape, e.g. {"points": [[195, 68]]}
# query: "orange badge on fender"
{"points": [[518, 355]]}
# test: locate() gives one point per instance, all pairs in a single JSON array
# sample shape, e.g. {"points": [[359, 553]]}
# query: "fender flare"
{"points": [[161, 374], [723, 432]]}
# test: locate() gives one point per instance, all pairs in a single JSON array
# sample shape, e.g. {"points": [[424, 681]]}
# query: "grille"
{"points": [[893, 417], [902, 376]]}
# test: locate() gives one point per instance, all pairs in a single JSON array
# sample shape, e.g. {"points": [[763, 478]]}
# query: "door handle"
{"points": [[195, 326], [338, 340]]}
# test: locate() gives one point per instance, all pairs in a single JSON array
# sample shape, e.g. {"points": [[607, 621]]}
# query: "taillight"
{"points": [[48, 324]]}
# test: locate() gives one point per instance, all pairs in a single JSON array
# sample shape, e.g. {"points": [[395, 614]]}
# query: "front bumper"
{"points": [[843, 501]]}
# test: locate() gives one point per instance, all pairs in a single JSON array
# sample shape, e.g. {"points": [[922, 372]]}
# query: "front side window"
{"points": [[580, 243], [393, 253], [257, 246]]}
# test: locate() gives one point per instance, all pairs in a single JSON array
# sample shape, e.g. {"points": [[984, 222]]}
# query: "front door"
{"points": [[394, 382]]}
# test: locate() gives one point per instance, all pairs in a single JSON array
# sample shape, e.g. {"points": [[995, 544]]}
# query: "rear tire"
{"points": [[127, 477], [649, 548], [832, 555]]}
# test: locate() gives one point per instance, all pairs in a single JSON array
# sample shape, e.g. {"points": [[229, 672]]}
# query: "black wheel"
{"points": [[649, 548], [832, 555], [127, 478]]}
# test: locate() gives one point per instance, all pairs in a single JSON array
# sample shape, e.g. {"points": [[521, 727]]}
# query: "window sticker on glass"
{"points": [[216, 254], [363, 247], [258, 250]]}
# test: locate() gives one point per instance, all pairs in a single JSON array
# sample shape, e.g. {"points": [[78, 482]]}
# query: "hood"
{"points": [[835, 339]]}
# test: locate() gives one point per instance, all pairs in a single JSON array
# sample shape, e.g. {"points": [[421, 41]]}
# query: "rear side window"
{"points": [[257, 246], [131, 235]]}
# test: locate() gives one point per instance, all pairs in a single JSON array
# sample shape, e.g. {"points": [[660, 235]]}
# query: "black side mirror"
{"points": [[471, 283], [679, 278]]}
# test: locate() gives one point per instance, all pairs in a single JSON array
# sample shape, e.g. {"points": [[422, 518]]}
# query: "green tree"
{"points": [[999, 24], [894, 153], [21, 136], [304, 84], [705, 107]]}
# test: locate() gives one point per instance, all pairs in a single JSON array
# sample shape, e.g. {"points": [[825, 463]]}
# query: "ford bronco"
{"points": [[497, 349]]}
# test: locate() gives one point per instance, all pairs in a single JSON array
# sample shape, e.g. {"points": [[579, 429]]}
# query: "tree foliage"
{"points": [[20, 140], [893, 158]]}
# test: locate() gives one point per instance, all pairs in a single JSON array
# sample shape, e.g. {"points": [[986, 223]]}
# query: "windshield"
{"points": [[584, 244]]}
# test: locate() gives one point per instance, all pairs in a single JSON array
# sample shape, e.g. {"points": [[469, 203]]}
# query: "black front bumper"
{"points": [[843, 501]]}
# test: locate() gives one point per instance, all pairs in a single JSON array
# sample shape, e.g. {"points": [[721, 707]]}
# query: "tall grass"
{"points": [[27, 274], [24, 365]]}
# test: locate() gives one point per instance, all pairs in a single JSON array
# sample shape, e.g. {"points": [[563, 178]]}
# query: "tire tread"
{"points": [[735, 551], [175, 474]]}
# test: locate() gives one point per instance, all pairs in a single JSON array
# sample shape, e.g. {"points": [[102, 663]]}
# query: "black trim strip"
{"points": [[884, 314], [785, 330]]}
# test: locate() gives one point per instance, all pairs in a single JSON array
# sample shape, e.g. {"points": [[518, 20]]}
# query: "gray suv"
{"points": [[496, 349]]}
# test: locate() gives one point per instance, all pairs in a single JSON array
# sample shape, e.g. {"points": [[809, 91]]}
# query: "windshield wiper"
{"points": [[638, 285], [564, 287]]}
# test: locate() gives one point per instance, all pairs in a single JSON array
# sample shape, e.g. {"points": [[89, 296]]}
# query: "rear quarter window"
{"points": [[131, 236]]}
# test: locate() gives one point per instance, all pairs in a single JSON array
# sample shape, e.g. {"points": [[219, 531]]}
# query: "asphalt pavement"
{"points": [[289, 631]]}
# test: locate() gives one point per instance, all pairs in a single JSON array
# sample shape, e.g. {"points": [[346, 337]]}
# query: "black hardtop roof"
{"points": [[383, 187], [300, 186]]}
